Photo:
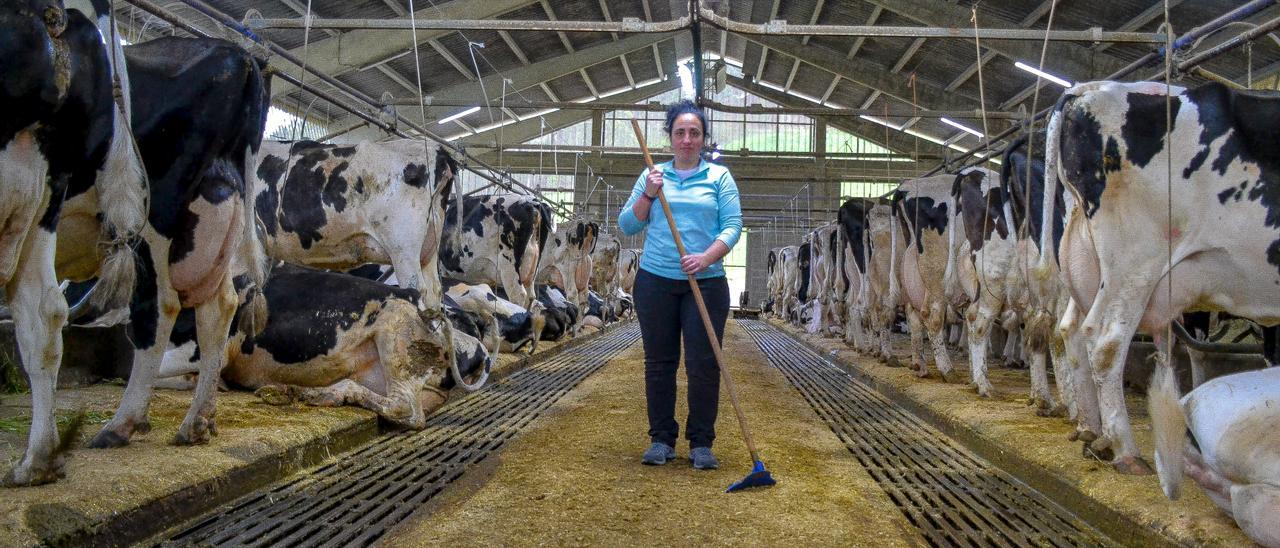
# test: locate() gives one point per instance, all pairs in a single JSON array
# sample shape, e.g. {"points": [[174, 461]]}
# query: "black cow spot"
{"points": [[852, 217], [359, 188], [415, 175], [924, 214], [1144, 126], [308, 308], [1084, 159], [344, 152], [306, 190], [335, 189], [1228, 194]]}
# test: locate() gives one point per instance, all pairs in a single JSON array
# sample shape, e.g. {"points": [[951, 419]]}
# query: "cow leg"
{"points": [[1012, 346], [213, 320], [39, 311], [1114, 318], [917, 343], [396, 407], [938, 338], [978, 319], [1255, 507], [151, 316], [1064, 377]]}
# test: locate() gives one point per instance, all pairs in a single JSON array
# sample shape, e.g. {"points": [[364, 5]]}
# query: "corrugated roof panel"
{"points": [[641, 63], [569, 87]]}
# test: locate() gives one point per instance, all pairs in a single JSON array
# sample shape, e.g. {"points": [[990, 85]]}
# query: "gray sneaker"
{"points": [[703, 459], [659, 453]]}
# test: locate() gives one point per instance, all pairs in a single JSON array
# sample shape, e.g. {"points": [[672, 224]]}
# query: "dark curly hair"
{"points": [[686, 107]]}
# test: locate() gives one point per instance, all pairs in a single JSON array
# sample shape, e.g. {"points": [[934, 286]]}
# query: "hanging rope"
{"points": [[986, 142], [1031, 147], [1167, 28]]}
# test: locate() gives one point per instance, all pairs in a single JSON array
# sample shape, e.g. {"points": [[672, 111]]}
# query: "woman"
{"points": [[704, 202]]}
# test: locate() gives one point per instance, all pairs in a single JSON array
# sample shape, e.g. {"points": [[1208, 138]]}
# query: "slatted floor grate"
{"points": [[355, 500], [952, 496]]}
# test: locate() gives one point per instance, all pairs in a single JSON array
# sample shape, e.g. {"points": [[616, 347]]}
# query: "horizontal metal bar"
{"points": [[1230, 44], [534, 147], [629, 24], [654, 106], [1222, 348], [780, 27]]}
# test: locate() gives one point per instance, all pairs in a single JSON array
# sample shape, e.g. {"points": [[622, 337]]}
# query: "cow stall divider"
{"points": [[357, 498]]}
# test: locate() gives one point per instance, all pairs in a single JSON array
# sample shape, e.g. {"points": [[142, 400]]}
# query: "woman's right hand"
{"points": [[653, 182]]}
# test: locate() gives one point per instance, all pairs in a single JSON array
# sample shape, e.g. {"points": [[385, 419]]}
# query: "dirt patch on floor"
{"points": [[1007, 421], [575, 478]]}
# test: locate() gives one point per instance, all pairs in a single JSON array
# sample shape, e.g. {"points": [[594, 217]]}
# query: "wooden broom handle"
{"points": [[702, 307]]}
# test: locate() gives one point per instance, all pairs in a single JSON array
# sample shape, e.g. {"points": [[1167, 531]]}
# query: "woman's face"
{"points": [[686, 138]]}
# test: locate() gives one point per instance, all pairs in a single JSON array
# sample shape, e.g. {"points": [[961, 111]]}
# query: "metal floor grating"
{"points": [[358, 498], [952, 496]]}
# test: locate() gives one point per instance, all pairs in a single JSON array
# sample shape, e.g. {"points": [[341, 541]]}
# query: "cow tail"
{"points": [[1052, 164], [253, 252], [1168, 426], [122, 198]]}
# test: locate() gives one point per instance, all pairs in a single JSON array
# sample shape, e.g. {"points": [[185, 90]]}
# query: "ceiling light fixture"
{"points": [[962, 127], [1060, 81], [467, 112]]}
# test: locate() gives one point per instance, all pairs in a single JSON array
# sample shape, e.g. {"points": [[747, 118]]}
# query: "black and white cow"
{"points": [[336, 339], [851, 219], [924, 208], [560, 313], [199, 107], [499, 242], [64, 145], [1222, 435], [338, 207], [566, 260], [604, 272], [516, 325], [983, 252], [1138, 249]]}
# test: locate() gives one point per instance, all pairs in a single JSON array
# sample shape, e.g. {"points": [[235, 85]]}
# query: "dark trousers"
{"points": [[667, 313]]}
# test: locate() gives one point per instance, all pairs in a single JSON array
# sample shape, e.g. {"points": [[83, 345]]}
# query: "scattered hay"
{"points": [[575, 478]]}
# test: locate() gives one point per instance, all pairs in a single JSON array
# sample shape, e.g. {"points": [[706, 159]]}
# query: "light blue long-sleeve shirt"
{"points": [[706, 208]]}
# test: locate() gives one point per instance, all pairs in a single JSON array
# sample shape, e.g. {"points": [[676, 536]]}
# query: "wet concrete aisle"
{"points": [[574, 476]]}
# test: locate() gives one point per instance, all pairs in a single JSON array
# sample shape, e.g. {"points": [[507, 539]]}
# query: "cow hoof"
{"points": [[1100, 444], [196, 434], [1073, 436], [1088, 452], [1087, 436], [107, 439], [1132, 466], [142, 428], [983, 392], [1058, 410], [922, 373], [892, 362], [946, 377], [36, 475], [274, 395]]}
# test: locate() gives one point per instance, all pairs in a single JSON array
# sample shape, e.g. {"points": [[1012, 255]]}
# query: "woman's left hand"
{"points": [[694, 263]]}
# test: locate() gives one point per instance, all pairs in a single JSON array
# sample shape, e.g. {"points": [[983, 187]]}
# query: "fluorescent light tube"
{"points": [[962, 127], [1042, 74], [469, 111]]}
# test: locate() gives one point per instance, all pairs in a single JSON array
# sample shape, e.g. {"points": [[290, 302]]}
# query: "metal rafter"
{"points": [[551, 16], [1067, 58], [813, 20], [515, 48], [357, 49], [604, 7], [626, 69], [907, 55], [530, 128], [989, 54], [457, 63]]}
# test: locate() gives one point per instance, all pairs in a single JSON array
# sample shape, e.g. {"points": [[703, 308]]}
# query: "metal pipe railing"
{"points": [[468, 161], [731, 109], [780, 27], [628, 24], [1186, 39]]}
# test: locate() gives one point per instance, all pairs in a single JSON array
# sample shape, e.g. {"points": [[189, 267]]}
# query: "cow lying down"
{"points": [[1233, 451], [333, 339]]}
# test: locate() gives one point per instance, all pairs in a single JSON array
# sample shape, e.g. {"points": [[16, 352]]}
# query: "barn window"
{"points": [[735, 268]]}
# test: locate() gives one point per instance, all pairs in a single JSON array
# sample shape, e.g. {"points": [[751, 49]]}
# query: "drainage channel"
{"points": [[358, 498], [952, 496]]}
